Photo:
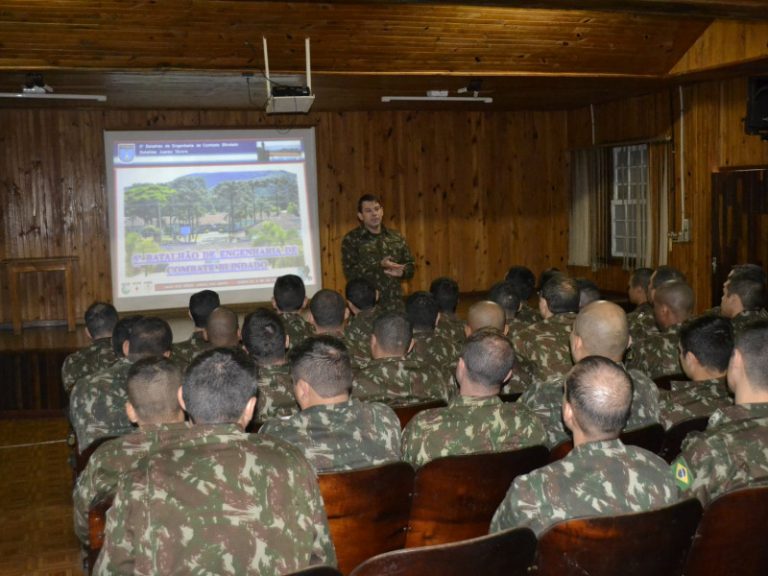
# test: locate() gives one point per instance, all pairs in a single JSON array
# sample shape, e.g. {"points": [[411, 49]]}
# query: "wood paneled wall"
{"points": [[472, 191], [714, 138]]}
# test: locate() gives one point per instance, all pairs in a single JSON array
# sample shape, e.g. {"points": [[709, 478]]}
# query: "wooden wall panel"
{"points": [[474, 192]]}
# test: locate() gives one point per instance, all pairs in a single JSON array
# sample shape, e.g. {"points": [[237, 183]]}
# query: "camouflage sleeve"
{"points": [[699, 467], [68, 374], [390, 427], [525, 505], [354, 266], [94, 484], [413, 443], [404, 256]]}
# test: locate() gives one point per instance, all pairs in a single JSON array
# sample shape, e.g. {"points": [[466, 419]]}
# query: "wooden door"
{"points": [[739, 222]]}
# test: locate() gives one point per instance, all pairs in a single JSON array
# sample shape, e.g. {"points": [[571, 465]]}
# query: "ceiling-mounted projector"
{"points": [[289, 99]]}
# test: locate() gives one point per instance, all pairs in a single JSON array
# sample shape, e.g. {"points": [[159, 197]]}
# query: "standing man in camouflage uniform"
{"points": [[216, 500], [201, 304], [265, 341], [153, 388], [362, 297], [289, 298], [445, 291], [524, 283], [600, 329], [706, 344], [334, 431], [731, 453], [100, 320], [600, 476], [375, 252], [476, 420], [97, 406], [657, 355], [392, 377], [743, 301], [545, 344]]}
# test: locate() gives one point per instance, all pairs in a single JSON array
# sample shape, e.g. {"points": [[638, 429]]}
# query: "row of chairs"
{"points": [[678, 540]]}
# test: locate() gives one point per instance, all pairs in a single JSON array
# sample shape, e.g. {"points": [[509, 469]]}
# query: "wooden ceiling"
{"points": [[207, 54]]}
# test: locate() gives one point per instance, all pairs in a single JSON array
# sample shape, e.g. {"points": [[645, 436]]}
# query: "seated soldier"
{"points": [[600, 476], [328, 313], [213, 499], [429, 345], [97, 406], [524, 283], [265, 341], [393, 378], [752, 272], [335, 432], [201, 304], [644, 325], [641, 317], [100, 320], [588, 292], [153, 388], [743, 300], [476, 420], [600, 329], [446, 293], [289, 298], [362, 297], [505, 295], [545, 344], [222, 330], [706, 344], [731, 453], [657, 355]]}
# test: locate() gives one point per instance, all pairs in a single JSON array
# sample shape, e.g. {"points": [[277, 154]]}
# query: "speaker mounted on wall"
{"points": [[756, 121]]}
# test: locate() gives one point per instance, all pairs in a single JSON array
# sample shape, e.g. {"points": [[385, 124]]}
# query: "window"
{"points": [[629, 200]]}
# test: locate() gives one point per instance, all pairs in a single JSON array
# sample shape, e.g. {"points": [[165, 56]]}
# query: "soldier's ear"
{"points": [[287, 341], [126, 348], [568, 417], [305, 303], [374, 344], [311, 319], [437, 320], [274, 304], [180, 398], [247, 415], [346, 314], [88, 333], [410, 346], [131, 413], [378, 295], [506, 330], [467, 330], [205, 334], [167, 354]]}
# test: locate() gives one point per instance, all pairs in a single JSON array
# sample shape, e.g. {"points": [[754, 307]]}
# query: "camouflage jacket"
{"points": [[546, 400], [361, 256], [514, 326], [186, 351], [110, 461], [434, 348], [523, 375], [343, 436], [641, 322], [97, 405], [547, 346], [296, 328], [217, 501], [399, 381], [528, 315], [603, 478], [688, 400], [357, 333], [470, 425], [94, 358], [451, 327], [276, 399], [731, 453], [657, 355], [741, 321]]}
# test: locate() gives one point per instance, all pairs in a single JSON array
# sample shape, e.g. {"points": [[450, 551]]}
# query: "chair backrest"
{"points": [[560, 451], [455, 497], [673, 439], [731, 538], [367, 511], [649, 437], [508, 553], [639, 544], [665, 382], [408, 411], [317, 571], [97, 521], [80, 459]]}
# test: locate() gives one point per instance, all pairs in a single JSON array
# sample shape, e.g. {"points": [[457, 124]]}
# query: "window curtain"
{"points": [[590, 225], [660, 182]]}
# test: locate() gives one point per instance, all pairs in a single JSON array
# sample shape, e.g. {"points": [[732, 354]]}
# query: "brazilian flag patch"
{"points": [[682, 474]]}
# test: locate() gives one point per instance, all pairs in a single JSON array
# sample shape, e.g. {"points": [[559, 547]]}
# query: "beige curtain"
{"points": [[660, 182], [590, 224]]}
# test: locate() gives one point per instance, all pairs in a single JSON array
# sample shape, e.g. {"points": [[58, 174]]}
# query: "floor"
{"points": [[36, 536]]}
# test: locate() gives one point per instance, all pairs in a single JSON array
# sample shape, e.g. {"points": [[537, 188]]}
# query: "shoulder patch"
{"points": [[682, 473]]}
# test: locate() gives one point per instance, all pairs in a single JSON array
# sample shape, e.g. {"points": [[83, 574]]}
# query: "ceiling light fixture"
{"points": [[483, 99], [35, 87]]}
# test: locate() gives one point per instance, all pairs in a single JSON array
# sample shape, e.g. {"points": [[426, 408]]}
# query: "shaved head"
{"points": [[486, 314], [222, 328], [603, 329], [153, 384]]}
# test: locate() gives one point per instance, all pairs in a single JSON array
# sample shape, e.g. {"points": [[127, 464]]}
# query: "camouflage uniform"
{"points": [[514, 326], [522, 377], [361, 256], [89, 360], [731, 453], [451, 327], [399, 381], [217, 501], [97, 405], [296, 327], [741, 321], [641, 322], [357, 334], [343, 436], [546, 400], [546, 345], [434, 348], [276, 399], [184, 352], [528, 315], [688, 400], [602, 478], [658, 354], [469, 425], [110, 461]]}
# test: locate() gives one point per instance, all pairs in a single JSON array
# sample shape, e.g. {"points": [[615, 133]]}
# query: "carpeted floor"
{"points": [[36, 536]]}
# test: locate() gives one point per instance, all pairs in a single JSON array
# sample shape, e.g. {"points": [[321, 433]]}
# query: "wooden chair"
{"points": [[731, 536], [649, 437], [317, 571], [408, 411], [560, 451], [97, 522], [673, 439], [508, 553], [631, 545], [367, 511], [454, 498], [665, 382]]}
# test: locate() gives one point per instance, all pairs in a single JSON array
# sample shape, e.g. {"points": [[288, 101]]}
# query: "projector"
{"points": [[289, 104], [283, 99]]}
